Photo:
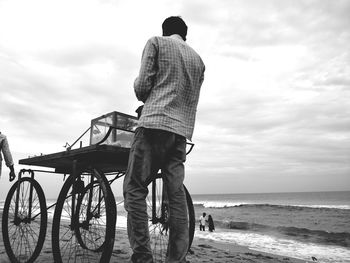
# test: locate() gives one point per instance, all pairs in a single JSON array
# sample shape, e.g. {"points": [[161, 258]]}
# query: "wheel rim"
{"points": [[23, 235], [91, 218], [158, 229], [69, 242]]}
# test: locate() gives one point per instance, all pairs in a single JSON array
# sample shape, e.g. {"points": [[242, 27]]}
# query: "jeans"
{"points": [[153, 150]]}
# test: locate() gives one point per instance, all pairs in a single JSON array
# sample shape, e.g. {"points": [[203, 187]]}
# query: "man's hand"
{"points": [[12, 174]]}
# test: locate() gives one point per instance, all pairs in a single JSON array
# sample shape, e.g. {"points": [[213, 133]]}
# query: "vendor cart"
{"points": [[84, 219]]}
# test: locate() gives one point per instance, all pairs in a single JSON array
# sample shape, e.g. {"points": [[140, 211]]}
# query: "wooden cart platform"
{"points": [[107, 158]]}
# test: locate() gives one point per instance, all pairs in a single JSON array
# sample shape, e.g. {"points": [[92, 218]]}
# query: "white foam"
{"points": [[344, 207], [280, 246], [121, 222], [218, 204], [222, 204]]}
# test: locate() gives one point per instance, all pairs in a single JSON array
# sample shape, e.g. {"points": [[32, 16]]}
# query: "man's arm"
{"points": [[144, 82], [202, 77], [8, 158], [6, 152]]}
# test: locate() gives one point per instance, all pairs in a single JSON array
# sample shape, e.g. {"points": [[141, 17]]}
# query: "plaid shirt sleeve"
{"points": [[144, 82], [6, 152]]}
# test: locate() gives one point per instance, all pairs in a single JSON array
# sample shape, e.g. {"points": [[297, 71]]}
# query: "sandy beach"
{"points": [[202, 251]]}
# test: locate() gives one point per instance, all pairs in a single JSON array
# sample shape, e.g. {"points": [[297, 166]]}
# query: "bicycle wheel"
{"points": [[65, 243], [91, 218], [24, 234], [158, 226]]}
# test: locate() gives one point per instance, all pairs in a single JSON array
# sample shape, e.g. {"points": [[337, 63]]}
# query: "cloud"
{"points": [[85, 55], [212, 13], [270, 23], [274, 106]]}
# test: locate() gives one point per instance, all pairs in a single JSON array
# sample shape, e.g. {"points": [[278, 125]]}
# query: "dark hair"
{"points": [[174, 25]]}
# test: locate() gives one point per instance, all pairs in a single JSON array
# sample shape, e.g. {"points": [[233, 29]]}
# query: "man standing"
{"points": [[5, 149], [168, 84], [202, 221]]}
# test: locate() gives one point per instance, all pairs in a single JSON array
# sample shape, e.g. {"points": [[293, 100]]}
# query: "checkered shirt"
{"points": [[5, 149], [169, 84]]}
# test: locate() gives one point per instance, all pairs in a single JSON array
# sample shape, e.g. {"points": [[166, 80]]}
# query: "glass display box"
{"points": [[120, 126]]}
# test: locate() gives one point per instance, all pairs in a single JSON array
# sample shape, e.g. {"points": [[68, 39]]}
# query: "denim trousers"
{"points": [[153, 150]]}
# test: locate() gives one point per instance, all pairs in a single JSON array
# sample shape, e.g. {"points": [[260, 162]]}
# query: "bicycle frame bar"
{"points": [[154, 217], [30, 193], [74, 173], [90, 198]]}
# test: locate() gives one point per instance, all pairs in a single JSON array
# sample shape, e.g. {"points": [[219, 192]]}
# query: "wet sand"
{"points": [[202, 251]]}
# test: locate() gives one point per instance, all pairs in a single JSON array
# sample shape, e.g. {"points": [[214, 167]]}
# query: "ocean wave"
{"points": [[343, 207], [302, 234], [218, 204], [280, 245], [212, 204]]}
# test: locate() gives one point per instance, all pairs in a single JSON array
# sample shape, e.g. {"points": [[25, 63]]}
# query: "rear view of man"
{"points": [[168, 84]]}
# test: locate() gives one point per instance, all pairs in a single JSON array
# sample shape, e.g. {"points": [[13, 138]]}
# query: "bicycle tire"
{"points": [[29, 236], [64, 235], [89, 236], [191, 216], [159, 241]]}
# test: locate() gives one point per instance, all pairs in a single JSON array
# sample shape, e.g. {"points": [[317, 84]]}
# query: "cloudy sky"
{"points": [[274, 112]]}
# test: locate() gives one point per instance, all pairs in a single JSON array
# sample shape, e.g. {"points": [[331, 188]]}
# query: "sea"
{"points": [[300, 225]]}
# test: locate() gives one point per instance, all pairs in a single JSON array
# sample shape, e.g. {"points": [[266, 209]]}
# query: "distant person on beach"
{"points": [[211, 223], [202, 221], [5, 149], [168, 84]]}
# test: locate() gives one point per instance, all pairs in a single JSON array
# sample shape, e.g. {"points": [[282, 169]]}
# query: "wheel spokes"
{"points": [[24, 232]]}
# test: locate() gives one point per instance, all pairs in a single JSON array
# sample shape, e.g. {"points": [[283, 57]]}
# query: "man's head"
{"points": [[174, 25]]}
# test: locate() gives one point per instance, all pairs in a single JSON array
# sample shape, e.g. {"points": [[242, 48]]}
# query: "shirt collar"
{"points": [[176, 36]]}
